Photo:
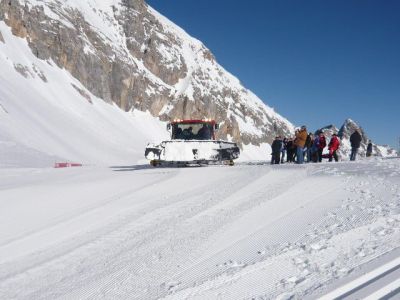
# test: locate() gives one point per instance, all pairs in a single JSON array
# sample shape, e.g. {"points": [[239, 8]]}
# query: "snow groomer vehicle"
{"points": [[192, 143]]}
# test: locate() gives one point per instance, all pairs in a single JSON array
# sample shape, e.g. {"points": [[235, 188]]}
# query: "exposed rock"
{"points": [[83, 93], [39, 73], [23, 70], [1, 38], [348, 127], [3, 108], [101, 71], [328, 131]]}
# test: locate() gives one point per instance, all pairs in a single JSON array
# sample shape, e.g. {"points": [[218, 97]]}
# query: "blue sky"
{"points": [[316, 62]]}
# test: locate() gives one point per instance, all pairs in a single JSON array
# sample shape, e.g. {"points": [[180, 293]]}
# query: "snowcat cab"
{"points": [[192, 142]]}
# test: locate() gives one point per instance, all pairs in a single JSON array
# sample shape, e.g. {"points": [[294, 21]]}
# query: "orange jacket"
{"points": [[301, 137]]}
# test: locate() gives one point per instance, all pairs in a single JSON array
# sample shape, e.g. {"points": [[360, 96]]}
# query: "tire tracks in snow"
{"points": [[33, 260], [145, 250], [218, 220], [68, 217], [142, 251], [369, 205], [186, 244], [296, 280], [89, 240], [242, 252]]}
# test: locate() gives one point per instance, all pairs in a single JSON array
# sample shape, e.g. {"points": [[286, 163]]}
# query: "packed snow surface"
{"points": [[218, 232]]}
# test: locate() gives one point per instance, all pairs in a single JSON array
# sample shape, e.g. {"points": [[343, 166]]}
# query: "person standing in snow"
{"points": [[321, 145], [308, 146], [300, 141], [355, 141], [289, 150], [294, 148], [333, 147], [276, 150], [314, 148], [369, 149], [284, 149]]}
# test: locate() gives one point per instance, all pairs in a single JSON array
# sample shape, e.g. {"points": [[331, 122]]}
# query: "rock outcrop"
{"points": [[349, 126], [344, 133]]}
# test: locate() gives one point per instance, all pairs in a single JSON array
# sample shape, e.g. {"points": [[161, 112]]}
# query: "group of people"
{"points": [[305, 147]]}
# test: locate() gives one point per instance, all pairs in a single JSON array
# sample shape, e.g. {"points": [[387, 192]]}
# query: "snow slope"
{"points": [[45, 118], [250, 231]]}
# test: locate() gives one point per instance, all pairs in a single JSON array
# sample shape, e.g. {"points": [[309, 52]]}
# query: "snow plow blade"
{"points": [[192, 152]]}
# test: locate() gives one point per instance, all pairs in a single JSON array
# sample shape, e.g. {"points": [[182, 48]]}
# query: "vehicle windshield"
{"points": [[192, 131]]}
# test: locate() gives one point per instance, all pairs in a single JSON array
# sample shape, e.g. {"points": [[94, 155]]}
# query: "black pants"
{"points": [[314, 156], [334, 155], [283, 156], [319, 155], [353, 154], [289, 155], [276, 158]]}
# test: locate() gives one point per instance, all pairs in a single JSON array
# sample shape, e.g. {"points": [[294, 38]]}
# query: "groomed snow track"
{"points": [[249, 231]]}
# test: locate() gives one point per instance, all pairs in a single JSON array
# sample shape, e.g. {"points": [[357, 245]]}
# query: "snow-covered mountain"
{"points": [[348, 127], [126, 53]]}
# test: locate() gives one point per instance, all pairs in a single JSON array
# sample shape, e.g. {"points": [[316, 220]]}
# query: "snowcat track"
{"points": [[160, 163]]}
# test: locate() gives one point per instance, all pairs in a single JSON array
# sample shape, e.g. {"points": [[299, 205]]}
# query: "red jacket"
{"points": [[322, 142], [334, 144]]}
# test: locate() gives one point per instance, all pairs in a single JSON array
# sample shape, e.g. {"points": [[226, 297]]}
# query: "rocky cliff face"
{"points": [[125, 52]]}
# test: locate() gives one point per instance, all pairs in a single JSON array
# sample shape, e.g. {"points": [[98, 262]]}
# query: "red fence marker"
{"points": [[66, 165]]}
